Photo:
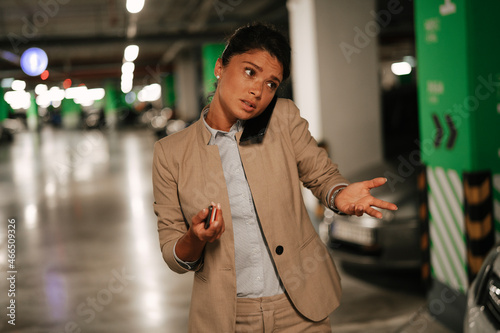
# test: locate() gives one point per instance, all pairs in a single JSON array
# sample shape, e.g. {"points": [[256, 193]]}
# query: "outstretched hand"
{"points": [[356, 199]]}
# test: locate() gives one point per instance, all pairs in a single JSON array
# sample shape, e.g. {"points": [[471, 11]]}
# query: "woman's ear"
{"points": [[218, 68]]}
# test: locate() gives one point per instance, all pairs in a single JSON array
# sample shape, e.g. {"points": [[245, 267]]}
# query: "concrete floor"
{"points": [[86, 249]]}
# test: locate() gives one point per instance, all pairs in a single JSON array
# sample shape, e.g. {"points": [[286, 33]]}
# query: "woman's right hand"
{"points": [[190, 246], [214, 232]]}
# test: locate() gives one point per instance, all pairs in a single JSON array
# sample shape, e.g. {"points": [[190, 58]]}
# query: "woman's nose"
{"points": [[256, 89]]}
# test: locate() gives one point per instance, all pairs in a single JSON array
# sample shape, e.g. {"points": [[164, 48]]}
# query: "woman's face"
{"points": [[246, 85]]}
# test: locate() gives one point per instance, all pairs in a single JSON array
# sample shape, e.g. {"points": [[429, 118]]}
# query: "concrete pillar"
{"points": [[186, 85], [32, 114], [335, 77], [459, 110]]}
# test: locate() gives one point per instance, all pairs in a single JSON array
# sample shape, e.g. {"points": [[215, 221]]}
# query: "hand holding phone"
{"points": [[212, 215]]}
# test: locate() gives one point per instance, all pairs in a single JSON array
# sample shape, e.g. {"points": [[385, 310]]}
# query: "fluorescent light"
{"points": [[127, 77], [128, 67], [96, 93], [18, 99], [401, 68], [43, 100], [135, 6], [150, 93], [18, 85], [126, 86], [76, 92], [56, 94], [41, 88], [131, 52]]}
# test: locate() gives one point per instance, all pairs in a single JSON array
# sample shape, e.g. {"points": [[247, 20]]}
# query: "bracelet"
{"points": [[332, 201]]}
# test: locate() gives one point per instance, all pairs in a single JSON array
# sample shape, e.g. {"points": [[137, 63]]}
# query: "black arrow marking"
{"points": [[439, 131], [453, 132]]}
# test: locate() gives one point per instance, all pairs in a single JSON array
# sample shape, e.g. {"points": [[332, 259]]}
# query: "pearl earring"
{"points": [[218, 77]]}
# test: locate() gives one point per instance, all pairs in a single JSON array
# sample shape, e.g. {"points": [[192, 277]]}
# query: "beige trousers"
{"points": [[274, 314]]}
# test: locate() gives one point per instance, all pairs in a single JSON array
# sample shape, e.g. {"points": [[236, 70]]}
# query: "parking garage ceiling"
{"points": [[85, 39]]}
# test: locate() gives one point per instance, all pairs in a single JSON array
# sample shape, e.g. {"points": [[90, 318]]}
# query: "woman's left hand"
{"points": [[356, 199]]}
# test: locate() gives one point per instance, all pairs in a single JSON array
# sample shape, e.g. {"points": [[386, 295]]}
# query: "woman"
{"points": [[260, 266]]}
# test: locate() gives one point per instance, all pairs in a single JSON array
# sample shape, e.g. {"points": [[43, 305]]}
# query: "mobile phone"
{"points": [[212, 213], [256, 128]]}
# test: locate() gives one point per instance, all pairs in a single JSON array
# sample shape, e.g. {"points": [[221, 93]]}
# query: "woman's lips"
{"points": [[247, 105]]}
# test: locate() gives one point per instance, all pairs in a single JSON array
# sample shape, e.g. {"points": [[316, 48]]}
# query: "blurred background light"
{"points": [[67, 83], [18, 85], [130, 97], [127, 77], [135, 6], [150, 93], [7, 82], [128, 67], [131, 52], [401, 68], [411, 60], [34, 61], [126, 86], [41, 88], [56, 94], [75, 92], [18, 99], [45, 75]]}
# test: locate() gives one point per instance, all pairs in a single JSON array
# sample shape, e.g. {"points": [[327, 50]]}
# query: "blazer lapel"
{"points": [[215, 187], [251, 157]]}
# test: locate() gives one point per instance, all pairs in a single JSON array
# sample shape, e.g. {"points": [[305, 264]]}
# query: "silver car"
{"points": [[483, 297], [390, 242]]}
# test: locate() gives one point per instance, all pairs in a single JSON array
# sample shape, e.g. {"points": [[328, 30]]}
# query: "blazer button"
{"points": [[279, 250]]}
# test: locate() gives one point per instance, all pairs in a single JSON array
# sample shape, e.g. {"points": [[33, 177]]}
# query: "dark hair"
{"points": [[261, 37]]}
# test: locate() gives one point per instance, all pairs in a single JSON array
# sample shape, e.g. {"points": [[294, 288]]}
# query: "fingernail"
{"points": [[213, 203], [218, 206]]}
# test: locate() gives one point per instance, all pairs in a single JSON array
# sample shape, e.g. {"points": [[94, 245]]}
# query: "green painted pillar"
{"points": [[169, 91], [459, 101], [70, 114], [4, 106], [210, 54], [113, 101]]}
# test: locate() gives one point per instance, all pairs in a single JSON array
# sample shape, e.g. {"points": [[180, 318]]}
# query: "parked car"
{"points": [[483, 297], [390, 242]]}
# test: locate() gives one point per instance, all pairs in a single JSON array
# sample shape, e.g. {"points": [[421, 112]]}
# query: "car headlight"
{"points": [[492, 301]]}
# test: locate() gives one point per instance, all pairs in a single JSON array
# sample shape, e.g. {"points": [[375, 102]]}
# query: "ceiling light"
{"points": [[41, 88], [128, 67], [131, 52], [18, 85], [401, 68], [135, 6], [34, 61]]}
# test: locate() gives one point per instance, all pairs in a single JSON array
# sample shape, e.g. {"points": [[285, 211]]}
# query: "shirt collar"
{"points": [[237, 126]]}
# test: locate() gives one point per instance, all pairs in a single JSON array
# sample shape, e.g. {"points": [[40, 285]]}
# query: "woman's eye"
{"points": [[249, 71], [272, 85]]}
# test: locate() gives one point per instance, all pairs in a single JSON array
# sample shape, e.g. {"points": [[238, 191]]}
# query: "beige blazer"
{"points": [[188, 175]]}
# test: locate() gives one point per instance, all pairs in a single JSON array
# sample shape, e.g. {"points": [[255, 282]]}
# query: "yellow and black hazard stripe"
{"points": [[423, 218], [479, 222]]}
